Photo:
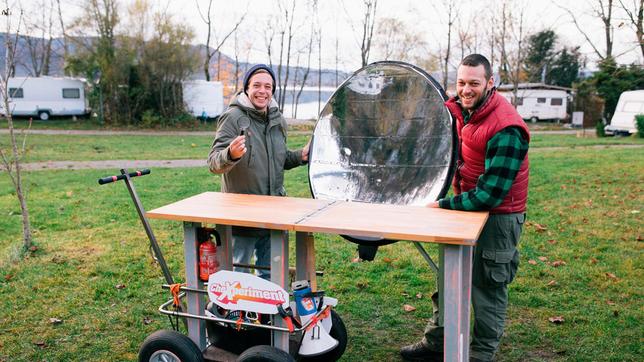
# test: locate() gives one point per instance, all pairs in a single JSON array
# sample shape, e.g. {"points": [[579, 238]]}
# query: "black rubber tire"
{"points": [[264, 353], [175, 343], [534, 119], [232, 340], [339, 332]]}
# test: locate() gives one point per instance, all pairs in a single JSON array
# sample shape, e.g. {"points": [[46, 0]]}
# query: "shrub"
{"points": [[599, 127], [150, 119], [639, 124]]}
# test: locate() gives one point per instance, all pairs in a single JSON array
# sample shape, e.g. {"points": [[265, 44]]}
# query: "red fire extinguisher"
{"points": [[207, 259]]}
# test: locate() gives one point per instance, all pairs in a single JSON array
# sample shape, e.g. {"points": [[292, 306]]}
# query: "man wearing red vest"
{"points": [[491, 174]]}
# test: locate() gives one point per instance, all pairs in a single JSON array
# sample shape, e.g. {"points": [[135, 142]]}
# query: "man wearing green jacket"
{"points": [[250, 152]]}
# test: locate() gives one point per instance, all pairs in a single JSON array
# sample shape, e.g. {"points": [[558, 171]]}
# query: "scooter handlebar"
{"points": [[107, 180]]}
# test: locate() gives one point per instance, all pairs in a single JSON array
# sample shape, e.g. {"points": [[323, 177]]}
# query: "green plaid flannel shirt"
{"points": [[503, 157]]}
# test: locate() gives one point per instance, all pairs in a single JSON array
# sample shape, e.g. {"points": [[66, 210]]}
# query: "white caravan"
{"points": [[536, 101], [46, 96], [629, 105], [203, 99]]}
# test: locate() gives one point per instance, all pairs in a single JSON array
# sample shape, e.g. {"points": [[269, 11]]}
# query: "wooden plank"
{"points": [[396, 222], [268, 212]]}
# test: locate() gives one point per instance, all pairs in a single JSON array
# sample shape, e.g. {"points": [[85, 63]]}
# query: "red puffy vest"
{"points": [[486, 121]]}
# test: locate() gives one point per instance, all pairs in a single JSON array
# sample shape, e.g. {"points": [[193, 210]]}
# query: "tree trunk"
{"points": [[13, 164]]}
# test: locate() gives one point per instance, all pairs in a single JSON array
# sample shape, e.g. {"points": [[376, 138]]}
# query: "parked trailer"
{"points": [[47, 96], [203, 99], [535, 103], [630, 104]]}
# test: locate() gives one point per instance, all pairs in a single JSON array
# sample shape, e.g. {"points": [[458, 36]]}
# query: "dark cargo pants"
{"points": [[496, 260]]}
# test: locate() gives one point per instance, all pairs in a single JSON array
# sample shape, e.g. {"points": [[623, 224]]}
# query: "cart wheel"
{"points": [[169, 346], [264, 353], [339, 332]]}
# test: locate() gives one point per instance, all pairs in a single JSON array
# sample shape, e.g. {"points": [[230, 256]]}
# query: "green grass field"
{"points": [[584, 210]]}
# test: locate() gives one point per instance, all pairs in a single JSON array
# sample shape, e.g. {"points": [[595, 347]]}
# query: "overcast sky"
{"points": [[339, 18]]}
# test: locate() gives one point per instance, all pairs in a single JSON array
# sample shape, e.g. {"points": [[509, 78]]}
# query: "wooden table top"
{"points": [[268, 212], [397, 222], [414, 223]]}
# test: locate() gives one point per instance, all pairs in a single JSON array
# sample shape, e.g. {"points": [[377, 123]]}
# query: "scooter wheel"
{"points": [[264, 353], [170, 346]]}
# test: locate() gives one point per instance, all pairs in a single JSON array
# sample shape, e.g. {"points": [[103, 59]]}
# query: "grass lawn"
{"points": [[159, 147], [581, 259]]}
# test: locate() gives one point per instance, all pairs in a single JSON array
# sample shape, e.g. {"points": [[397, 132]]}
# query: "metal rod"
{"points": [[146, 226], [163, 310], [429, 260], [291, 270]]}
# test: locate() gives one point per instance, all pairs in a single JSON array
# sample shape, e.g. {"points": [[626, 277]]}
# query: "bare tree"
{"points": [[207, 18], [39, 47], [635, 14], [309, 51], [602, 10], [64, 33], [12, 160], [452, 11]]}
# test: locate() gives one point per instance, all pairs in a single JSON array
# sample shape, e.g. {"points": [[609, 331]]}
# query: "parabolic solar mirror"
{"points": [[385, 137]]}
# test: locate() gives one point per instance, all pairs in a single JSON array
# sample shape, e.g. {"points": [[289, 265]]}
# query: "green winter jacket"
{"points": [[260, 171]]}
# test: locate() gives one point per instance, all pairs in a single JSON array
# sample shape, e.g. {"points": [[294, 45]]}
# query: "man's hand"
{"points": [[305, 151], [433, 205], [237, 148]]}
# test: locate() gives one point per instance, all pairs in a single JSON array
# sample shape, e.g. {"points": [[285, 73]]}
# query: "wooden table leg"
{"points": [[305, 258], [279, 276], [196, 302], [457, 275]]}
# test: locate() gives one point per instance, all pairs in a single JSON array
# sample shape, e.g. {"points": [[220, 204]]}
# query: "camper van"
{"points": [[629, 105], [537, 101], [46, 96], [203, 99]]}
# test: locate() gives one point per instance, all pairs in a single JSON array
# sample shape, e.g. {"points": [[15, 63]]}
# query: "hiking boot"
{"points": [[420, 352]]}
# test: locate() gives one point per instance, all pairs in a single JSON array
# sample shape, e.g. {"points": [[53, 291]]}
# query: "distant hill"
{"points": [[25, 66]]}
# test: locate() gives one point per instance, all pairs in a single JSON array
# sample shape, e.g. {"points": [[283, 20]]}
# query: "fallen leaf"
{"points": [[635, 211], [70, 193], [193, 145], [419, 295], [55, 321], [552, 283], [405, 294], [552, 241], [558, 263], [612, 276], [610, 302], [556, 320], [8, 277], [593, 261], [639, 238], [408, 308], [147, 321], [356, 260], [362, 285], [33, 248], [119, 286], [40, 344], [532, 262], [543, 258], [563, 187], [540, 228], [387, 260]]}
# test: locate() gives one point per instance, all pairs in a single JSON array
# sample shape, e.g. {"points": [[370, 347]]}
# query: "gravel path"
{"points": [[139, 164]]}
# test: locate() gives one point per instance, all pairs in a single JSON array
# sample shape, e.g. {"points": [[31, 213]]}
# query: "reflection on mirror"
{"points": [[385, 137]]}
